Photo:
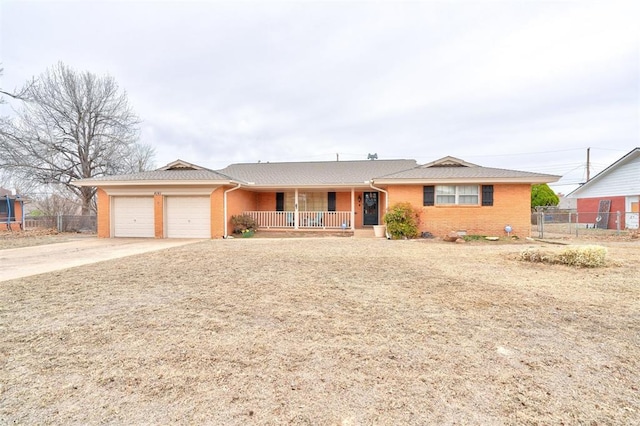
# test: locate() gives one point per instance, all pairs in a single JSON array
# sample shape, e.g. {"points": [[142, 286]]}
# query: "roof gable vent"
{"points": [[449, 162], [180, 165]]}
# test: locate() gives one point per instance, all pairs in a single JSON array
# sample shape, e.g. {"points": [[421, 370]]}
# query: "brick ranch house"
{"points": [[183, 200]]}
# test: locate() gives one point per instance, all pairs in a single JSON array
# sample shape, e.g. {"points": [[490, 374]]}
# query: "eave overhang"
{"points": [[460, 180], [144, 183], [274, 187]]}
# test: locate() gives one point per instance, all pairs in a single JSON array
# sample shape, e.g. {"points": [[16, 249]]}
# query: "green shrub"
{"points": [[581, 256], [242, 223], [402, 221]]}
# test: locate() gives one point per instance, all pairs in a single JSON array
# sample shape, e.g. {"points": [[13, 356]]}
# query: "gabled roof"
{"points": [[178, 172], [322, 174], [626, 159], [451, 169], [181, 165], [317, 173], [448, 162]]}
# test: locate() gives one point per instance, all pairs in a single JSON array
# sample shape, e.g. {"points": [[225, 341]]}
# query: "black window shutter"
{"points": [[331, 201], [487, 195], [428, 198], [279, 201]]}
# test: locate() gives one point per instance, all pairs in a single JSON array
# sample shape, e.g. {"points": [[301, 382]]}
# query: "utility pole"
{"points": [[588, 164]]}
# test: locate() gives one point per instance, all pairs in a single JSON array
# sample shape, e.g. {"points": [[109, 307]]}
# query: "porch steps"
{"points": [[363, 233]]}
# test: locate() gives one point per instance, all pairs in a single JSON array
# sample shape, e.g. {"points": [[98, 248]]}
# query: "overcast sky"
{"points": [[517, 85]]}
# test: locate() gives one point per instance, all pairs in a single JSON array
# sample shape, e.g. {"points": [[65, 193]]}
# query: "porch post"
{"points": [[295, 214], [353, 209]]}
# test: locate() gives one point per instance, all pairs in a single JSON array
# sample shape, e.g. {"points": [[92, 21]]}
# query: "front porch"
{"points": [[298, 211], [303, 220]]}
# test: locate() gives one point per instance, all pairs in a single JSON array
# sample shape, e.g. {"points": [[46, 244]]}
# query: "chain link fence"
{"points": [[548, 223], [62, 223]]}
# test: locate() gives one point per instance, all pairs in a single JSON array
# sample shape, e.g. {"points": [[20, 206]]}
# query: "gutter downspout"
{"points": [[386, 195], [224, 203], [22, 211], [8, 212]]}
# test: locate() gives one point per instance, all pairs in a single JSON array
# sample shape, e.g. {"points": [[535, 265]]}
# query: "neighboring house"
{"points": [[615, 189], [11, 210], [183, 200]]}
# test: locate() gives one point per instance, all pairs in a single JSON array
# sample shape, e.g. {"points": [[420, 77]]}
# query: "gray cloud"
{"points": [[523, 85]]}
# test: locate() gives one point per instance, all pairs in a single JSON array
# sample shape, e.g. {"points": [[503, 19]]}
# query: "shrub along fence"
{"points": [[550, 222], [62, 223]]}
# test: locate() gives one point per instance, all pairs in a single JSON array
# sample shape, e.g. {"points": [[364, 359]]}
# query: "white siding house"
{"points": [[619, 184]]}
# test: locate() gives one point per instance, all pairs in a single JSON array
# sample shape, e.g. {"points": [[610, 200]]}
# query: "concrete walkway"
{"points": [[27, 261]]}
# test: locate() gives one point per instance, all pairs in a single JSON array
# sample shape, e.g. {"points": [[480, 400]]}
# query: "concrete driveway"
{"points": [[26, 261]]}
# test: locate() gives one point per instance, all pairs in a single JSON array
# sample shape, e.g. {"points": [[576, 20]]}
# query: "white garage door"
{"points": [[133, 217], [188, 217]]}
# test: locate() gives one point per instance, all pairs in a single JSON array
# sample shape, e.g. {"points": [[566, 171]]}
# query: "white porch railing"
{"points": [[304, 219]]}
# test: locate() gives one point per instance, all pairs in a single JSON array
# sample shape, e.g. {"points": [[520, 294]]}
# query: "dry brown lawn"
{"points": [[325, 331]]}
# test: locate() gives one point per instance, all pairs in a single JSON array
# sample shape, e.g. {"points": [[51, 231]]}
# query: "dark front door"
{"points": [[370, 208]]}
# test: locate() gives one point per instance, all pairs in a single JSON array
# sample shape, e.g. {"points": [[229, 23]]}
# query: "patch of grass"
{"points": [[474, 237]]}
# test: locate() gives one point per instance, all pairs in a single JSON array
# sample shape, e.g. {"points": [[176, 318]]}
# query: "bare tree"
{"points": [[140, 158], [72, 125], [15, 95], [55, 204]]}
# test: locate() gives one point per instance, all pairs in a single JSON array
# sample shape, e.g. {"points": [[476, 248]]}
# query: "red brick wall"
{"points": [[104, 214], [265, 201], [158, 215], [588, 210], [511, 206], [17, 214], [238, 202]]}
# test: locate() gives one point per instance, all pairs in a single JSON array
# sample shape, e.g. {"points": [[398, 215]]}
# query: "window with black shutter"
{"points": [[428, 196], [331, 201], [487, 195], [279, 201]]}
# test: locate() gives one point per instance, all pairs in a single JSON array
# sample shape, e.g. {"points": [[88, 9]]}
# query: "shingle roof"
{"points": [[315, 173], [461, 173], [326, 173], [175, 171], [451, 169], [166, 175]]}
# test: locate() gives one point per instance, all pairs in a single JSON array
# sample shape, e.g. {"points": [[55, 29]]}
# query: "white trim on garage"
{"points": [[188, 217], [132, 217], [166, 191]]}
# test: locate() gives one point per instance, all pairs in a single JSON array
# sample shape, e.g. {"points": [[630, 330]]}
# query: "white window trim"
{"points": [[457, 196]]}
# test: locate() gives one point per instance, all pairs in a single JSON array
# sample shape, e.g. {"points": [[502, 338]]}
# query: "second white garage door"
{"points": [[188, 217]]}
